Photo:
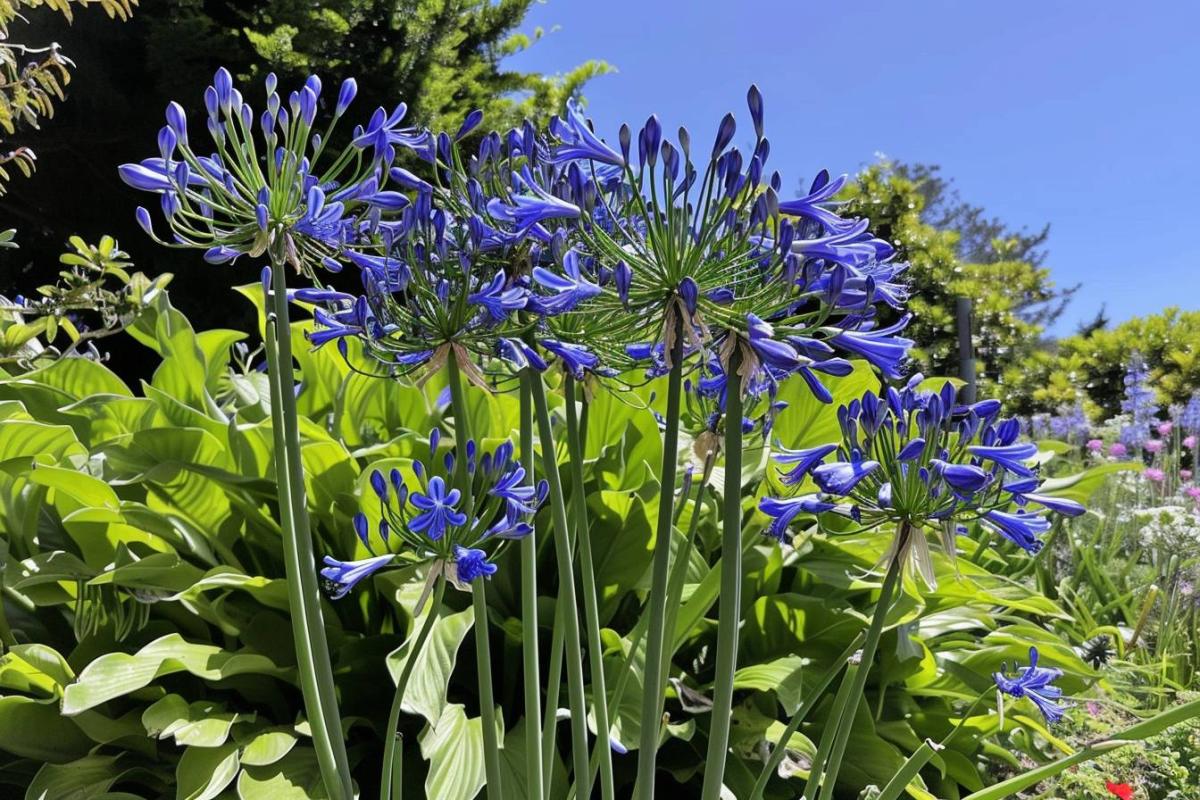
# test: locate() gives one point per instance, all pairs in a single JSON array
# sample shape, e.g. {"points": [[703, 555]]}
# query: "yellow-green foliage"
{"points": [[1001, 291], [1095, 364]]}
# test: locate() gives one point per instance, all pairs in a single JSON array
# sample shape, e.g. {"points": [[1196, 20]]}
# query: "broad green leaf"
{"points": [[784, 676], [430, 678], [296, 776], [84, 779], [116, 674], [34, 729], [807, 422], [204, 772], [453, 746], [1081, 486], [26, 439], [267, 747], [622, 543]]}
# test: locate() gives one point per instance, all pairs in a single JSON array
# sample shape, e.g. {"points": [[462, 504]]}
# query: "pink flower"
{"points": [[1154, 474], [1154, 446], [1117, 450], [1190, 442], [1193, 492], [1095, 445], [1185, 475], [1165, 428]]}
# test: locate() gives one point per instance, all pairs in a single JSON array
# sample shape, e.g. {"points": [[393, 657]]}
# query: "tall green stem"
{"points": [[304, 596], [772, 763], [566, 584], [855, 681], [483, 653], [652, 697], [389, 783], [529, 615], [553, 695], [729, 618], [591, 608], [487, 702]]}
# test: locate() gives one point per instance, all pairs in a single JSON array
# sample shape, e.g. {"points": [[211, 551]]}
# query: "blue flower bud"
{"points": [[653, 139], [361, 528], [308, 106], [690, 294], [379, 485], [260, 214], [177, 120], [143, 219], [624, 138], [469, 124], [265, 278], [223, 84], [271, 82], [755, 101], [623, 277], [725, 133], [345, 96]]}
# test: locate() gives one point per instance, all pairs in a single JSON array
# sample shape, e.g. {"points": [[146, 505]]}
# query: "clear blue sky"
{"points": [[1085, 115]]}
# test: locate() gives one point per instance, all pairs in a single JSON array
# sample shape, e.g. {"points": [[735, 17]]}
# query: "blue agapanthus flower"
{"points": [[270, 180], [1033, 682], [917, 459], [425, 516], [342, 576]]}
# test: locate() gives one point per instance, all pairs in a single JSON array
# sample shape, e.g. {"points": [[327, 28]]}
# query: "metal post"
{"points": [[966, 349]]}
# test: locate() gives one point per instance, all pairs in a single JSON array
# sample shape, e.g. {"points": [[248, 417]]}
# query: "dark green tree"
{"points": [[956, 250]]}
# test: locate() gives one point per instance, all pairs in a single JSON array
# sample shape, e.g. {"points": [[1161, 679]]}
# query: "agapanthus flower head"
{"points": [[270, 181], [697, 256], [426, 517], [918, 459], [1033, 682]]}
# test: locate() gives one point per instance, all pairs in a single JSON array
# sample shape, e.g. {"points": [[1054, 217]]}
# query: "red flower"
{"points": [[1121, 790]]}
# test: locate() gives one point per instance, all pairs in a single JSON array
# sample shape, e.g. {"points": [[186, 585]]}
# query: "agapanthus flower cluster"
{"points": [[557, 246], [917, 459], [1033, 682], [271, 179], [714, 258], [1139, 403], [459, 529]]}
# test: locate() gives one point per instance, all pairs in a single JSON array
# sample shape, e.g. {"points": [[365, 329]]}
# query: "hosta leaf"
{"points": [[784, 676], [453, 746], [83, 779], [34, 729], [807, 422], [296, 776], [426, 693], [204, 772], [1081, 486], [267, 747], [622, 541], [116, 674], [26, 439]]}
